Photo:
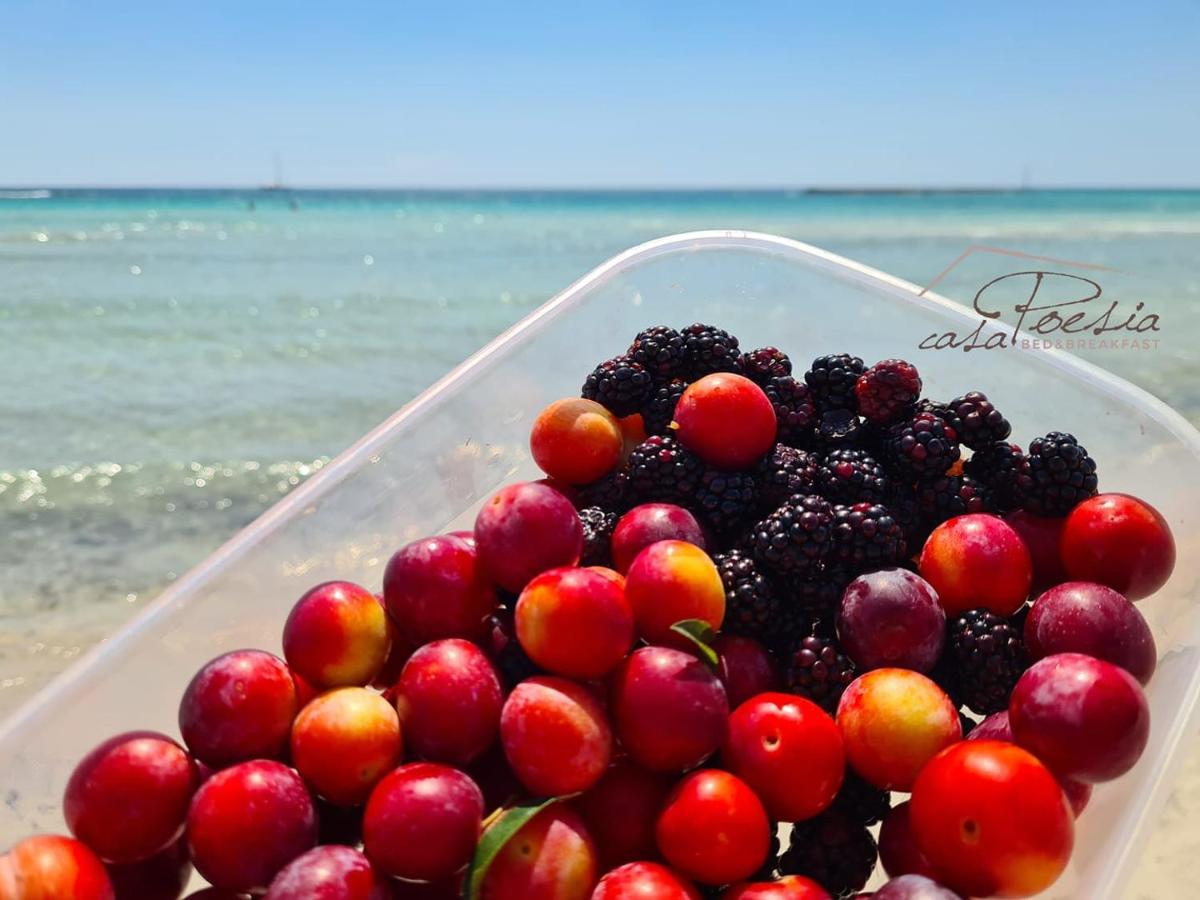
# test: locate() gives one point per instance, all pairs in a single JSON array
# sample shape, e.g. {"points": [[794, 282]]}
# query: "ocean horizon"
{"points": [[179, 359]]}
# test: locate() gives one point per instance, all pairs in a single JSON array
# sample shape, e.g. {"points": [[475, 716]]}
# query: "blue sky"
{"points": [[663, 94]]}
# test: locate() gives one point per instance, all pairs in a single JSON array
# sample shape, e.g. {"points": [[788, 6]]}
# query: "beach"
{"points": [[213, 349]]}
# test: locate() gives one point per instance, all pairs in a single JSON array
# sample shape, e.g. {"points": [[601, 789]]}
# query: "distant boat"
{"points": [[277, 184]]}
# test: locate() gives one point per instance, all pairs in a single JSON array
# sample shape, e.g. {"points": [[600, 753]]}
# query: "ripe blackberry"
{"points": [[902, 501], [796, 537], [836, 429], [819, 593], [818, 670], [947, 496], [1003, 470], [887, 391], [867, 536], [505, 651], [925, 445], [611, 492], [851, 476], [761, 365], [660, 352], [988, 657], [942, 410], [725, 500], [751, 604], [979, 423], [1061, 475], [784, 472], [860, 801], [598, 525], [795, 414], [832, 380], [833, 851], [708, 349], [661, 470], [659, 411], [620, 385]]}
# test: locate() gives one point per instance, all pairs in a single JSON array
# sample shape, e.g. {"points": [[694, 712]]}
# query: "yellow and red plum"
{"points": [[551, 857], [975, 561], [992, 820], [707, 407], [671, 581], [336, 636], [556, 736], [576, 440], [575, 622], [893, 721], [344, 741], [53, 867]]}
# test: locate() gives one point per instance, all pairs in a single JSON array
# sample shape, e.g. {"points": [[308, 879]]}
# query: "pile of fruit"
{"points": [[698, 659]]}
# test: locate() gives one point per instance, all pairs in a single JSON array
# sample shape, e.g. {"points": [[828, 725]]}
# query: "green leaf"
{"points": [[499, 833], [702, 635]]}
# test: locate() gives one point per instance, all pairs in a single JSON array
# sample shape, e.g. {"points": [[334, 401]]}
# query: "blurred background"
{"points": [[234, 237]]}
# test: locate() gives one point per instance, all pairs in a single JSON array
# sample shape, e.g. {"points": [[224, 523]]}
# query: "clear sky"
{"points": [[654, 94]]}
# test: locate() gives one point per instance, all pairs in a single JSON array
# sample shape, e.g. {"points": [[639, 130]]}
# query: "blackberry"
{"points": [[761, 365], [832, 850], [783, 472], [598, 525], [708, 349], [851, 476], [867, 536], [659, 411], [941, 410], [948, 496], [725, 500], [817, 669], [832, 380], [793, 624], [611, 492], [1002, 469], [860, 801], [660, 469], [505, 651], [620, 385], [796, 537], [837, 429], [902, 501], [1061, 475], [751, 604], [887, 391], [659, 350], [988, 657], [925, 445], [795, 413], [979, 423], [819, 593]]}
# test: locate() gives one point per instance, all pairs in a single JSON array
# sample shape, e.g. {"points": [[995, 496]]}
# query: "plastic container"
{"points": [[427, 467]]}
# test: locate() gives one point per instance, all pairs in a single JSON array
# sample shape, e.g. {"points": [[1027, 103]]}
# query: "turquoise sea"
{"points": [[174, 361]]}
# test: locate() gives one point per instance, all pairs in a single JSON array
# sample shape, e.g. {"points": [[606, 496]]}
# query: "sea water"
{"points": [[176, 361]]}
